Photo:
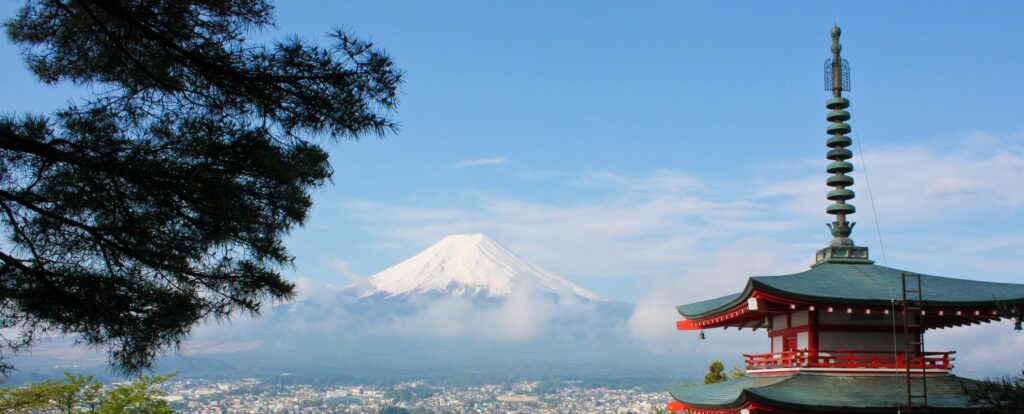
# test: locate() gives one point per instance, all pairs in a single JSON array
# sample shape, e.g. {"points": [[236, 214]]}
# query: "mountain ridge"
{"points": [[472, 266]]}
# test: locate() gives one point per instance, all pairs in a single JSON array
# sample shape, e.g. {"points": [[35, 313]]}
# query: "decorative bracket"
{"points": [[844, 77]]}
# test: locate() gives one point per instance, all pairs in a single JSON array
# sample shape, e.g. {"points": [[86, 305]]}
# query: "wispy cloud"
{"points": [[527, 314], [982, 351], [200, 347], [925, 183], [697, 242], [659, 181], [673, 231], [668, 221], [481, 162], [659, 223]]}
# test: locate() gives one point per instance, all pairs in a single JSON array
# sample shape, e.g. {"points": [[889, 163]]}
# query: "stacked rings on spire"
{"points": [[837, 79], [838, 155]]}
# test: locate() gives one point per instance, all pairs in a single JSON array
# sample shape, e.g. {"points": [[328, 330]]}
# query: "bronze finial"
{"points": [[837, 79]]}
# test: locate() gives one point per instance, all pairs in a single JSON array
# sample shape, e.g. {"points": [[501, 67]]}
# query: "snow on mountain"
{"points": [[472, 266]]}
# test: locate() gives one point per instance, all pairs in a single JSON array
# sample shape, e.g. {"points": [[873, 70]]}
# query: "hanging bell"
{"points": [[701, 335]]}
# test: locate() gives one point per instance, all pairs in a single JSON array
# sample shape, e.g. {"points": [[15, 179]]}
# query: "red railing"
{"points": [[850, 359]]}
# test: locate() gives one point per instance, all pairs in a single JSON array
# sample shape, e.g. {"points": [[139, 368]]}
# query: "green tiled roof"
{"points": [[825, 392], [723, 302], [862, 284]]}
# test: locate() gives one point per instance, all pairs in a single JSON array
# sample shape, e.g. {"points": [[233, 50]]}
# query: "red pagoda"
{"points": [[845, 336]]}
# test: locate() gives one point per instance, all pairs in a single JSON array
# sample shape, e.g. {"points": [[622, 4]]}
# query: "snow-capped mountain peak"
{"points": [[471, 265]]}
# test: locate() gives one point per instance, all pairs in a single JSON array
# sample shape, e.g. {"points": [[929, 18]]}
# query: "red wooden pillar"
{"points": [[812, 337]]}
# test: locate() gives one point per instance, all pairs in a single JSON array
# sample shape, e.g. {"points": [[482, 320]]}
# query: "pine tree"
{"points": [[1002, 394], [161, 200], [83, 394], [716, 373]]}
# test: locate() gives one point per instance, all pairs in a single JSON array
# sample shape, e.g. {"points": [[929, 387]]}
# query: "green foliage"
{"points": [[737, 372], [408, 394], [312, 402], [83, 394], [547, 387], [161, 199], [52, 396], [715, 373], [135, 397], [1003, 394]]}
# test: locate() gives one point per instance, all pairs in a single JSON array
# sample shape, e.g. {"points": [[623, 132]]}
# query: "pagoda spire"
{"points": [[837, 79], [839, 167]]}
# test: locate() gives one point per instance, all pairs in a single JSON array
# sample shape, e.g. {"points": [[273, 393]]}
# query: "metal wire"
{"points": [[878, 232]]}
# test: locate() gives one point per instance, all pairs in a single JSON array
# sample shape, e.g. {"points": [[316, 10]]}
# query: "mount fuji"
{"points": [[465, 305], [472, 266], [449, 308]]}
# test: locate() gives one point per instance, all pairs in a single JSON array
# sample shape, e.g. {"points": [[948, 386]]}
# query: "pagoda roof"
{"points": [[861, 284], [826, 393]]}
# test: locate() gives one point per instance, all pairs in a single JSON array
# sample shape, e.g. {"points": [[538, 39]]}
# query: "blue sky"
{"points": [[662, 152], [572, 100], [629, 146]]}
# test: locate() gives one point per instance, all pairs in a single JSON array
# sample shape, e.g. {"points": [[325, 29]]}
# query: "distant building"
{"points": [[518, 398], [846, 335]]}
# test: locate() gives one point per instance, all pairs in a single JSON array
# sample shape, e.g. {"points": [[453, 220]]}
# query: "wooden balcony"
{"points": [[859, 360]]}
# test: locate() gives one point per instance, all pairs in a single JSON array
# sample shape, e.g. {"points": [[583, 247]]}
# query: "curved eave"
{"points": [[723, 395], [825, 393], [882, 302], [712, 307], [869, 285]]}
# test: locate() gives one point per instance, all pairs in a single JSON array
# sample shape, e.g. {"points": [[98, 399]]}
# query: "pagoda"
{"points": [[846, 335]]}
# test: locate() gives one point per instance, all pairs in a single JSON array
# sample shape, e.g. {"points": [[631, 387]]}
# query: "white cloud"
{"points": [[677, 233], [653, 321], [324, 316], [660, 181], [981, 351], [356, 283], [680, 233], [924, 183], [342, 268], [481, 162], [664, 222], [525, 315], [385, 214], [659, 234], [201, 347]]}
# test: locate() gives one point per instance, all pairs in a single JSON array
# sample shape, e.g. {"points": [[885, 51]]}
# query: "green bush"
{"points": [[83, 394]]}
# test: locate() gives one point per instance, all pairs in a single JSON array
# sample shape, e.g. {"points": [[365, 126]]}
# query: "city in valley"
{"points": [[255, 396]]}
